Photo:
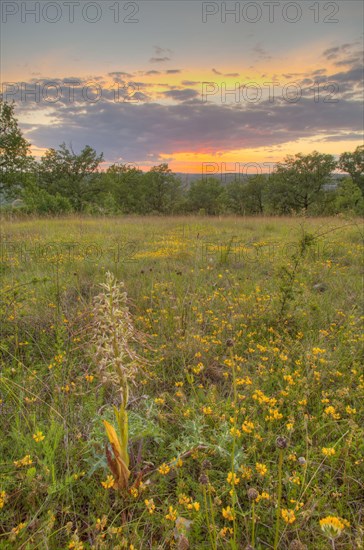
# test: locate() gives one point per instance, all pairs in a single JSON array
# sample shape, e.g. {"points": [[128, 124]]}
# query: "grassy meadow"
{"points": [[245, 414]]}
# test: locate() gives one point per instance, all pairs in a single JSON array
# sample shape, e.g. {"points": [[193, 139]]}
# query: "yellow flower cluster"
{"points": [[232, 478], [228, 513], [332, 526], [288, 515], [164, 469], [109, 482], [261, 469], [3, 499], [328, 451], [38, 437], [150, 505], [172, 514], [26, 461]]}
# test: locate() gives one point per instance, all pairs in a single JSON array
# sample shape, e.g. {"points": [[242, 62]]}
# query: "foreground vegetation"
{"points": [[245, 408]]}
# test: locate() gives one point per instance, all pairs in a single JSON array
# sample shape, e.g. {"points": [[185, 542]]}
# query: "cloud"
{"points": [[225, 74], [159, 59], [181, 95], [343, 137], [173, 71], [261, 53], [136, 131]]}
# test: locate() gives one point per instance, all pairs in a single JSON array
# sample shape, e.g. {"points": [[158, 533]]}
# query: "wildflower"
{"points": [[16, 530], [178, 462], [349, 410], [159, 400], [330, 411], [228, 513], [164, 469], [263, 496], [184, 499], [134, 492], [246, 472], [333, 526], [235, 432], [38, 437], [76, 545], [207, 410], [3, 498], [150, 505], [194, 506], [101, 523], [225, 531], [288, 515], [26, 461], [232, 478], [274, 414], [109, 482], [328, 451], [247, 426], [295, 479], [172, 514], [261, 469]]}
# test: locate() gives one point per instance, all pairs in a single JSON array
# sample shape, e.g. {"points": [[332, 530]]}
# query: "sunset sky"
{"points": [[183, 82]]}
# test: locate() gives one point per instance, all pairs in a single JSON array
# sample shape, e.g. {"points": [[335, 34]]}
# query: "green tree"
{"points": [[349, 197], [39, 201], [353, 164], [127, 186], [301, 179], [246, 197], [72, 175], [15, 158], [163, 189], [207, 195]]}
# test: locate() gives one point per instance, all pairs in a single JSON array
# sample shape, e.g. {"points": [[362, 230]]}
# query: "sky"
{"points": [[203, 86]]}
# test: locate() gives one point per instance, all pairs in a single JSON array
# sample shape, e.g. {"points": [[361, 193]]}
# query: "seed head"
{"points": [[297, 545], [203, 479], [206, 465], [281, 442], [252, 493]]}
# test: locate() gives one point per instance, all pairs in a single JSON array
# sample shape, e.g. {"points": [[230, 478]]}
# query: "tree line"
{"points": [[64, 181]]}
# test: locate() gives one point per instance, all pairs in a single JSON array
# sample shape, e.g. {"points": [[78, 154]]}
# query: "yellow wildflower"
{"points": [[332, 526], [261, 469], [288, 515], [164, 469], [228, 513], [328, 451], [38, 437]]}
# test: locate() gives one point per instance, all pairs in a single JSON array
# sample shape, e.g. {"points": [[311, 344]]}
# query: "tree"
{"points": [[73, 176], [163, 189], [246, 197], [349, 197], [127, 186], [15, 158], [207, 195], [353, 164], [302, 178]]}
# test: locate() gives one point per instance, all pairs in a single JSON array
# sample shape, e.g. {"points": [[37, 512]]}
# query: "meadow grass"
{"points": [[245, 418]]}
